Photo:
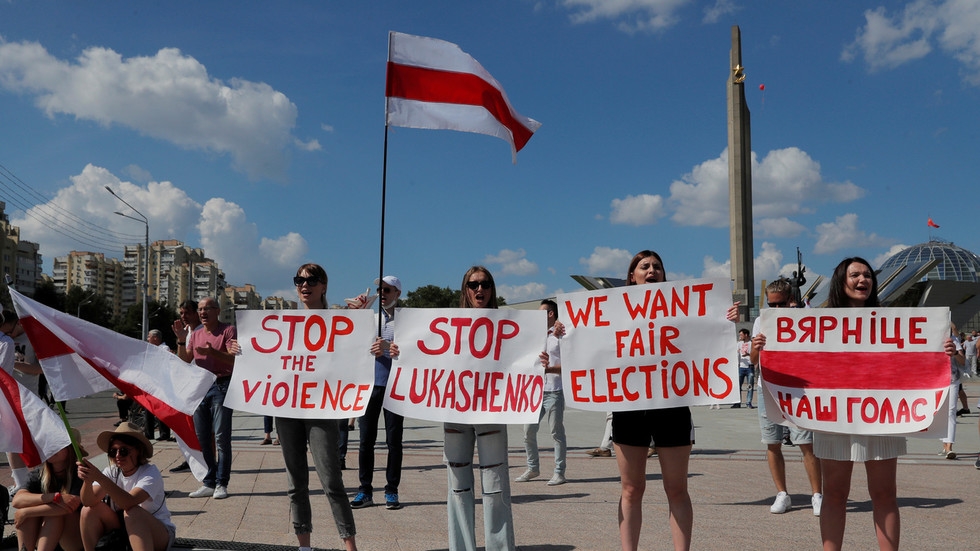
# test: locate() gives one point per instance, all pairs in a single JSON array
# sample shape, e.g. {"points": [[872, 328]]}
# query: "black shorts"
{"points": [[663, 428]]}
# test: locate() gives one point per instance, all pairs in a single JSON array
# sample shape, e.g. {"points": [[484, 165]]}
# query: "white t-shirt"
{"points": [[148, 478]]}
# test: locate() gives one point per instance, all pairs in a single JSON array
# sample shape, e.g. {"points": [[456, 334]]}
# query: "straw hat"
{"points": [[129, 430]]}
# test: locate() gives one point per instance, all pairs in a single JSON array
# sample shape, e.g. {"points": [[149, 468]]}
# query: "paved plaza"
{"points": [[729, 482]]}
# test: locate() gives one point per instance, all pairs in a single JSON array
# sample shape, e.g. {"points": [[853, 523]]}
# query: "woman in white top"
{"points": [[137, 501]]}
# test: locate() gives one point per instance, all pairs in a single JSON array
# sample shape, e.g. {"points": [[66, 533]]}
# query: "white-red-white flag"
{"points": [[74, 354], [433, 84], [27, 425]]}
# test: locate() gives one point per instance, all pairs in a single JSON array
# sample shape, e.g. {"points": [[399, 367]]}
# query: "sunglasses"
{"points": [[385, 289], [300, 280], [121, 452], [479, 284], [782, 304]]}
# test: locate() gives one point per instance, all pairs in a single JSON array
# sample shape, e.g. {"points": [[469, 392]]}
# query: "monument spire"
{"points": [[740, 182]]}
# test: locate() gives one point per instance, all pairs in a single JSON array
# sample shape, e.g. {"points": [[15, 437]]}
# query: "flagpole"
{"points": [[74, 442], [384, 192]]}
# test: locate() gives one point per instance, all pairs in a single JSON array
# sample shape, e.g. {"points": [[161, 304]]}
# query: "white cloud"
{"points": [[232, 241], [786, 181], [712, 268], [778, 227], [522, 293], [312, 145], [82, 215], [605, 261], [888, 41], [637, 210], [844, 233], [168, 96], [630, 15], [512, 262], [721, 8], [892, 251], [85, 210]]}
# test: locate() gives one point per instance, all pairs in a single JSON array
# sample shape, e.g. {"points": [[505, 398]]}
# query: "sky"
{"points": [[256, 131]]}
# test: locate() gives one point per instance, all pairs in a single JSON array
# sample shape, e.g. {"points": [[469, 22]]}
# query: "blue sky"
{"points": [[256, 130]]}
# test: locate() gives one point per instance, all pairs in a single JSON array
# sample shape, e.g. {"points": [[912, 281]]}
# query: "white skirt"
{"points": [[857, 447]]}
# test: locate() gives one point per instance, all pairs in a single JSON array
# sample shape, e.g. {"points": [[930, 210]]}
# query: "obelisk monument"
{"points": [[740, 182]]}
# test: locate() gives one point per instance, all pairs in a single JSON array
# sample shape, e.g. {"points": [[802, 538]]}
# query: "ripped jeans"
{"points": [[498, 520]]}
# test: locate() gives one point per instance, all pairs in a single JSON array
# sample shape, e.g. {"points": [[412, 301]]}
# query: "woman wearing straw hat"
{"points": [[137, 502], [48, 506]]}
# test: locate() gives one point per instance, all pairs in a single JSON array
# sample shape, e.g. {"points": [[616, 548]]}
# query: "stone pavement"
{"points": [[729, 483]]}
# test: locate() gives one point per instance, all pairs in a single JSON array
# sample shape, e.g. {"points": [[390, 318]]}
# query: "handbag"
{"points": [[114, 540], [137, 415]]}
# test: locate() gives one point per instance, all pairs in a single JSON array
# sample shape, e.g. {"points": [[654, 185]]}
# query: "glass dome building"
{"points": [[956, 263]]}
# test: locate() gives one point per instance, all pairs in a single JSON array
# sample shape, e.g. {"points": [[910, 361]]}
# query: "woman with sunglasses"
{"points": [[672, 432], [48, 506], [478, 291], [137, 501], [322, 436]]}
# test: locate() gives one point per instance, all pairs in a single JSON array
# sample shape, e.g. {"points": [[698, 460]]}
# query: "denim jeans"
{"points": [[212, 423], [394, 428], [498, 519], [322, 436], [746, 374], [552, 407]]}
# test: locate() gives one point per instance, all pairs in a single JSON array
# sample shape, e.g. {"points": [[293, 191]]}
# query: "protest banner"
{"points": [[649, 346], [468, 365], [856, 370], [303, 364]]}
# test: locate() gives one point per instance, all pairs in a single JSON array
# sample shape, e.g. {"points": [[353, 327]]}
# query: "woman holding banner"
{"points": [[48, 507], [478, 291], [321, 435], [854, 285], [672, 432]]}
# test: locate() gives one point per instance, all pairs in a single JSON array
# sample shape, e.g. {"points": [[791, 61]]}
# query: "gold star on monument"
{"points": [[738, 74]]}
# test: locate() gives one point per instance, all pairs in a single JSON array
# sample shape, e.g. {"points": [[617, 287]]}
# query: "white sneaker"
{"points": [[782, 503], [557, 480], [220, 492], [203, 491], [817, 502], [527, 476]]}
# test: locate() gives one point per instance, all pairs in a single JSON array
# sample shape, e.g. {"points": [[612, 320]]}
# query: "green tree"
{"points": [[431, 296], [160, 316], [88, 306], [48, 295]]}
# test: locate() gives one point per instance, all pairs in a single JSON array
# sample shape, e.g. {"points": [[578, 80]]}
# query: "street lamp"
{"points": [[146, 255], [78, 312]]}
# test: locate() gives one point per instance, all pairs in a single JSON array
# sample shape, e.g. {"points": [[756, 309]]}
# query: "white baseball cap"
{"points": [[390, 280]]}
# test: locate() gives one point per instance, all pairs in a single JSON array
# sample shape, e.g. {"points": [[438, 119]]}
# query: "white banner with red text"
{"points": [[468, 365], [303, 364], [649, 346], [856, 370]]}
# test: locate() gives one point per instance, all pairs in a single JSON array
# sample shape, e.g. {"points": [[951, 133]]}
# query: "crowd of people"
{"points": [[70, 503]]}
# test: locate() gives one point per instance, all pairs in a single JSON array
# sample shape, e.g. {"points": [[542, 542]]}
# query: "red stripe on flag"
{"points": [[433, 85], [178, 421], [854, 370], [11, 392], [46, 344]]}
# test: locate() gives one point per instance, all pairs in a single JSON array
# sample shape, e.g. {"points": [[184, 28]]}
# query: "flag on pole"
{"points": [[932, 224], [433, 84], [28, 427], [80, 358]]}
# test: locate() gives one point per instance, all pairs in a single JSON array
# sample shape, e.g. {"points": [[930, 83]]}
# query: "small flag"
{"points": [[932, 224], [80, 358], [433, 84], [27, 425]]}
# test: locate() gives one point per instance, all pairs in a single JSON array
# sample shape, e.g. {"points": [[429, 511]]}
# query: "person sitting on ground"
{"points": [[137, 501], [48, 506]]}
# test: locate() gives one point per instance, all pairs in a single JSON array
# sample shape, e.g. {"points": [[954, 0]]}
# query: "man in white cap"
{"points": [[390, 289]]}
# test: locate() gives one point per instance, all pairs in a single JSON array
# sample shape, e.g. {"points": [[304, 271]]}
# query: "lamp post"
{"points": [[78, 311], [146, 256]]}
